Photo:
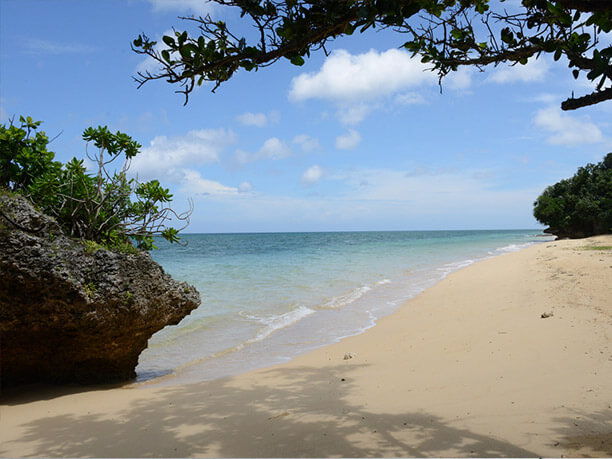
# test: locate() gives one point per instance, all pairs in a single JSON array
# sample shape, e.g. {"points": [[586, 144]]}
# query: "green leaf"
{"points": [[507, 36], [186, 51], [247, 65], [482, 8], [457, 34], [169, 41], [554, 8], [297, 60]]}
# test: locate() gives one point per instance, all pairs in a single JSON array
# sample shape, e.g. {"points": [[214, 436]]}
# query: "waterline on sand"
{"points": [[270, 297]]}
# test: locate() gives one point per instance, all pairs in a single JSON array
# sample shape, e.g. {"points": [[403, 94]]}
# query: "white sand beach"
{"points": [[511, 356]]}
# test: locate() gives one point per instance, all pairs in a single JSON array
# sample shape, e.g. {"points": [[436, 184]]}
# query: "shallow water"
{"points": [[267, 297]]}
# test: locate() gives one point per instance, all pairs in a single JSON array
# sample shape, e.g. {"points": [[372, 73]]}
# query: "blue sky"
{"points": [[359, 140]]}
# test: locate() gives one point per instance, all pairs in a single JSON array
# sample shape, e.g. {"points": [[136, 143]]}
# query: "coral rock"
{"points": [[72, 314]]}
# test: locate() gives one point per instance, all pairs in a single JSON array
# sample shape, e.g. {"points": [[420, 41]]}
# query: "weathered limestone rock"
{"points": [[73, 314]]}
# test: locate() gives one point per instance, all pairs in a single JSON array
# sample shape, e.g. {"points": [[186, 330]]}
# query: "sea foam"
{"points": [[352, 296], [277, 322]]}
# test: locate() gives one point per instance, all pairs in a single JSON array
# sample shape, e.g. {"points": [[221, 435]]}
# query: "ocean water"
{"points": [[267, 297]]}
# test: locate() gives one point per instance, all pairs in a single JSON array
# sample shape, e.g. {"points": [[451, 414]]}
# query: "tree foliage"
{"points": [[580, 206], [23, 155], [446, 33], [106, 207]]}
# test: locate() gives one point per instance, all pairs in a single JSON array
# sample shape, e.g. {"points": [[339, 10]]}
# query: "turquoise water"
{"points": [[269, 297]]}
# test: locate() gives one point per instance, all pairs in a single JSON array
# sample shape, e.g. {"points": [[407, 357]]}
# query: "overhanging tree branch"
{"points": [[445, 33], [584, 101]]}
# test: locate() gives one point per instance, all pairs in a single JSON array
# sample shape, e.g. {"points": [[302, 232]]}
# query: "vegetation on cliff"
{"points": [[71, 310], [106, 207], [580, 206]]}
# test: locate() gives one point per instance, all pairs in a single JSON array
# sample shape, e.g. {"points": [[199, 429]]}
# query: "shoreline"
{"points": [[469, 367], [332, 318]]}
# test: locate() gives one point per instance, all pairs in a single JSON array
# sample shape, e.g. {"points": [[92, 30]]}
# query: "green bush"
{"points": [[580, 206], [23, 155], [106, 207]]}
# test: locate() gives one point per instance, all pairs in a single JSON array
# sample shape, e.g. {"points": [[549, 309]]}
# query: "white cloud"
{"points": [[273, 148], [199, 7], [534, 70], [389, 199], [358, 84], [386, 184], [439, 198], [306, 143], [312, 175], [349, 140], [194, 184], [245, 187], [175, 159], [253, 119], [546, 98], [347, 77], [259, 119], [460, 80], [456, 195], [274, 116], [242, 157], [36, 46], [410, 98], [566, 129], [166, 155], [351, 115]]}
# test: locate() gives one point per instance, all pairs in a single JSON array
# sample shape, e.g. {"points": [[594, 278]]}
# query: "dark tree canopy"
{"points": [[446, 33], [580, 206]]}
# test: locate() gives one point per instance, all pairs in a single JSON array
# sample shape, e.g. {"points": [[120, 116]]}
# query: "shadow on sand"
{"points": [[304, 414], [583, 434]]}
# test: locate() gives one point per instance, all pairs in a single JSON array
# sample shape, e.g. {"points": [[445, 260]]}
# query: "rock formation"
{"points": [[72, 312]]}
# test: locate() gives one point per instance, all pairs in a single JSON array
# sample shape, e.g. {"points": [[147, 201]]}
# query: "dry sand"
{"points": [[468, 368]]}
